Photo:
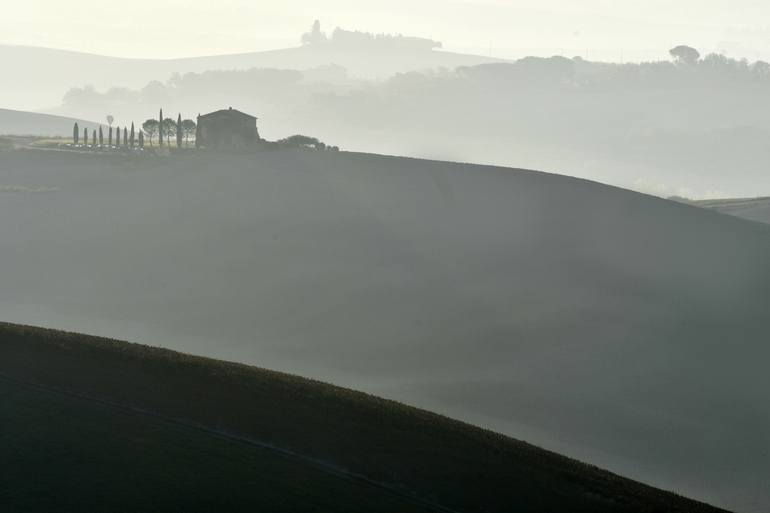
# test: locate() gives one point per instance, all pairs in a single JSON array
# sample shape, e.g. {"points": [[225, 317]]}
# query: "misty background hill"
{"points": [[755, 209], [665, 128], [38, 77], [14, 122], [611, 326]]}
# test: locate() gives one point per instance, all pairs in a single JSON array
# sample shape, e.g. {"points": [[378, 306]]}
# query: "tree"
{"points": [[179, 131], [117, 137], [110, 119], [302, 141], [160, 128], [188, 128], [75, 134], [93, 136], [141, 140], [109, 139], [132, 136], [125, 136], [315, 36], [150, 128], [685, 54], [169, 130], [101, 136], [85, 136], [198, 132]]}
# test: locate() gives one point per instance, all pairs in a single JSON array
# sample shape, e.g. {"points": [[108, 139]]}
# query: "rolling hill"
{"points": [[754, 209], [49, 73], [610, 326], [14, 122], [104, 425]]}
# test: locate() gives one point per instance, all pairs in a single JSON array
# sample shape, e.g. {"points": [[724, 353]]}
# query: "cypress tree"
{"points": [[93, 136], [101, 136], [179, 131], [125, 136], [85, 136], [117, 137], [133, 136], [160, 128], [109, 142], [198, 132], [75, 134], [141, 140]]}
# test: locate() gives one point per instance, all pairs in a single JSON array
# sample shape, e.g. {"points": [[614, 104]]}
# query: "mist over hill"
{"points": [[611, 326], [43, 75], [14, 122], [664, 128]]}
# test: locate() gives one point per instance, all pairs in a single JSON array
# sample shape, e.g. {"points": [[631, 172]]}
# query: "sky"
{"points": [[609, 30]]}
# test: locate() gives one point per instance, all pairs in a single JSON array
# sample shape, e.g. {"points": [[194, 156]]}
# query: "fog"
{"points": [[573, 308], [596, 29], [621, 329], [665, 128]]}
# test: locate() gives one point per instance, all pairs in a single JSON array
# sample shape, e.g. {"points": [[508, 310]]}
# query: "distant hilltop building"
{"points": [[227, 129]]}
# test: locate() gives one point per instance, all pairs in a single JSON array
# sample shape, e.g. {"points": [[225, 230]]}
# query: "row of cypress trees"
{"points": [[130, 139], [179, 130]]}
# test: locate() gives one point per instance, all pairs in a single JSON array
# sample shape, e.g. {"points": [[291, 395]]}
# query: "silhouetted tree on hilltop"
{"points": [[179, 131], [150, 128], [315, 36], [685, 54], [188, 127], [169, 129], [160, 128]]}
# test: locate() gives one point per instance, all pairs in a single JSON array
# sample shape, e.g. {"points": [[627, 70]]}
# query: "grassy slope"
{"points": [[69, 450], [70, 454]]}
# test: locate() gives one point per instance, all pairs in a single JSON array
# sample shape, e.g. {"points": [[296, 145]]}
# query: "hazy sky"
{"points": [[600, 29]]}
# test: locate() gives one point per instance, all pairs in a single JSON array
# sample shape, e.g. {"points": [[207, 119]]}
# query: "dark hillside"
{"points": [[413, 453]]}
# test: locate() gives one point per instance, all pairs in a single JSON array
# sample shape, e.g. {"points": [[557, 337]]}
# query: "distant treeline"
{"points": [[357, 40], [668, 127]]}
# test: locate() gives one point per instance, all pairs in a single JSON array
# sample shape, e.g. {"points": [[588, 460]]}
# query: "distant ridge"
{"points": [[45, 74], [16, 122]]}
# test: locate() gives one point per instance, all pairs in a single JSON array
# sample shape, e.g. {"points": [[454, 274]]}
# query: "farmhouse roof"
{"points": [[228, 112]]}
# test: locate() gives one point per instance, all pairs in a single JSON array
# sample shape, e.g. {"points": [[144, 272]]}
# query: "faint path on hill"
{"points": [[324, 466]]}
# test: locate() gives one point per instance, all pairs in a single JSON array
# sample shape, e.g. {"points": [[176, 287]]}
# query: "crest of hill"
{"points": [[383, 454]]}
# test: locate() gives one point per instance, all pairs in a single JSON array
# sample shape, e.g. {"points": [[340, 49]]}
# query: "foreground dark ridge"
{"points": [[443, 464]]}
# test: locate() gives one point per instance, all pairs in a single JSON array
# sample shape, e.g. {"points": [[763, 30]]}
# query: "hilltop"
{"points": [[613, 327], [183, 433], [49, 73]]}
